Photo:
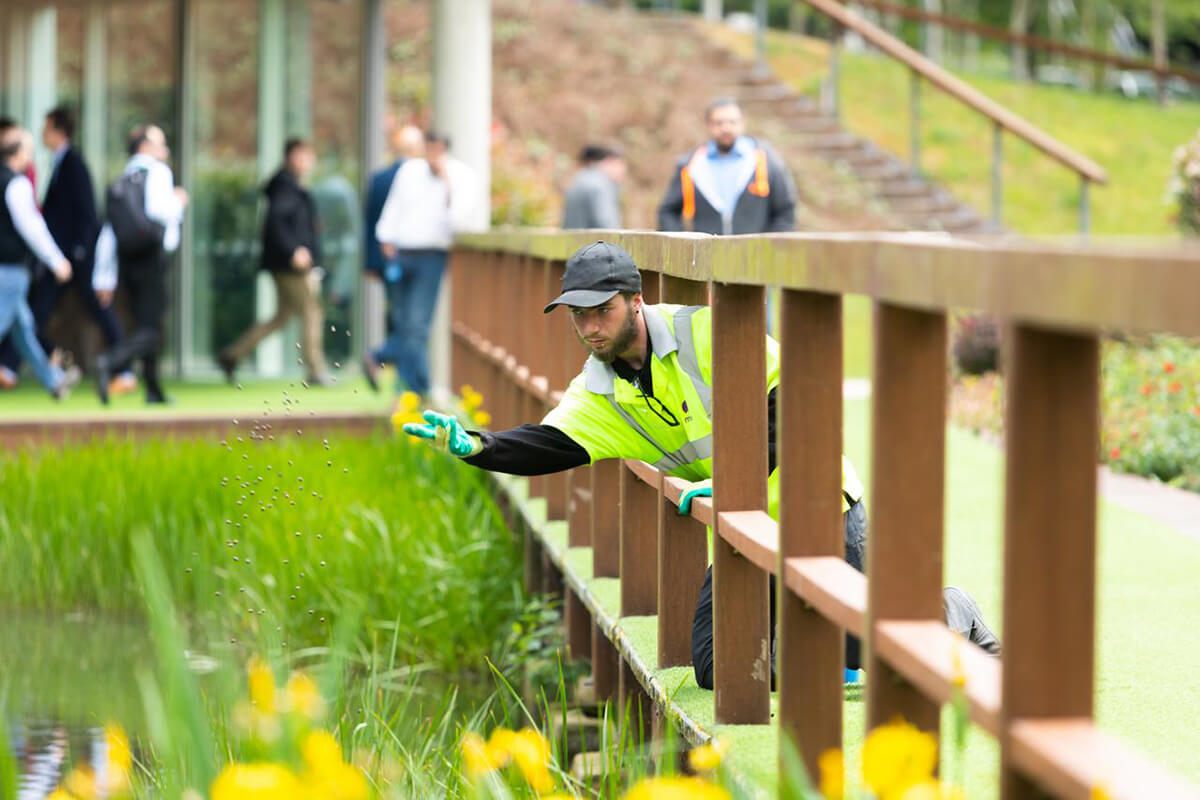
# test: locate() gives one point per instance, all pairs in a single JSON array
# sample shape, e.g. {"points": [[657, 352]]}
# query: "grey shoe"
{"points": [[70, 377], [324, 380]]}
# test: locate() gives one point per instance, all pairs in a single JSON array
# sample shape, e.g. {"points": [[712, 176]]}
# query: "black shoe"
{"points": [[157, 398], [103, 376], [228, 364], [371, 371]]}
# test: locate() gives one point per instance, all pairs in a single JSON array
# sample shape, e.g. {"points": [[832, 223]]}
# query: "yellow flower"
{"points": [[59, 794], [676, 789], [1100, 792], [410, 402], [896, 756], [262, 686], [402, 418], [531, 752], [119, 754], [328, 776], [482, 418], [259, 781], [321, 752], [81, 783], [957, 671], [480, 757], [303, 696], [707, 757], [933, 790], [833, 774]]}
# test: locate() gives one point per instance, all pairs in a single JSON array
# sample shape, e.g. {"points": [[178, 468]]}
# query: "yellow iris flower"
{"points": [[896, 757]]}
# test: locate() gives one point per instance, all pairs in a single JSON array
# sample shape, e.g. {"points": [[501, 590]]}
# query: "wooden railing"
{"points": [[1038, 701], [1002, 119], [1029, 40]]}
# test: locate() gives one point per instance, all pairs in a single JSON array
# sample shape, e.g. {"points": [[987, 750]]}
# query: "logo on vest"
{"points": [[686, 416]]}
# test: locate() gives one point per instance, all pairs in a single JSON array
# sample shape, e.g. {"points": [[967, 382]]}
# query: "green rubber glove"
{"points": [[445, 434], [685, 499]]}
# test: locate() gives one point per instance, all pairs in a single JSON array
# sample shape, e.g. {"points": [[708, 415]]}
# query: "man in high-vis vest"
{"points": [[731, 184], [645, 393]]}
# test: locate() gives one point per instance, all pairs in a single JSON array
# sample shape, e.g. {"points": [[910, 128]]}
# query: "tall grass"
{"points": [[268, 541]]}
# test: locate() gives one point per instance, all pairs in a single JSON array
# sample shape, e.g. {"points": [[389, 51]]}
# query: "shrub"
{"points": [[976, 345], [1183, 190]]}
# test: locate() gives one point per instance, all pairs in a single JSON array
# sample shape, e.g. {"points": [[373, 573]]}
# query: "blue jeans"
{"points": [[16, 316], [412, 297]]}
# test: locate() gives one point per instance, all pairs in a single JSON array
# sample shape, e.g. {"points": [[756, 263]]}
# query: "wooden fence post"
{"points": [[741, 646], [904, 553], [1051, 432], [809, 448], [639, 545]]}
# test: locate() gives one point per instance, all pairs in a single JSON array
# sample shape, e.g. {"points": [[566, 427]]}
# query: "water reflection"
{"points": [[45, 752], [62, 678]]}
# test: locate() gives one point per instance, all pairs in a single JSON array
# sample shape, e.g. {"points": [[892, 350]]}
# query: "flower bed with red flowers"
{"points": [[1150, 408]]}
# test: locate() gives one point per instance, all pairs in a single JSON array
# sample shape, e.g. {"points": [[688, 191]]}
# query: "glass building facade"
{"points": [[228, 81]]}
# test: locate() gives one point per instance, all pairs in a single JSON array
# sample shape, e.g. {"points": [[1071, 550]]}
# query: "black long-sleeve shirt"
{"points": [[544, 449]]}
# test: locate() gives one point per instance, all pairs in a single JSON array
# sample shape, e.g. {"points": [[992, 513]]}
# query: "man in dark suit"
{"points": [[69, 209]]}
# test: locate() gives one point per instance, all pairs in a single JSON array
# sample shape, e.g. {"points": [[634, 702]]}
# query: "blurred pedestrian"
{"points": [[593, 199], [291, 252], [69, 209], [145, 210], [431, 199], [24, 240], [406, 141], [731, 184]]}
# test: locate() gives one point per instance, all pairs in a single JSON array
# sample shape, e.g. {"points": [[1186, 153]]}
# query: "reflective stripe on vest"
{"points": [[685, 355], [759, 187]]}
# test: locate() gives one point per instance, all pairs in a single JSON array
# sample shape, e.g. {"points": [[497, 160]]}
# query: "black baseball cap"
{"points": [[596, 273]]}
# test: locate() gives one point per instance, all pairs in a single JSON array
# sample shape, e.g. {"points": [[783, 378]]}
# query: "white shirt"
{"points": [[28, 221], [416, 214], [162, 206]]}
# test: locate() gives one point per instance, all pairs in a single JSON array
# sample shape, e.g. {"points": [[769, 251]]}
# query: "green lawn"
{"points": [[1147, 683], [1132, 140], [349, 394]]}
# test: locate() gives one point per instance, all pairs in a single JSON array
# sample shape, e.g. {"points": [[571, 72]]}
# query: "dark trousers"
{"points": [[854, 524], [412, 297], [44, 295], [962, 614], [145, 281]]}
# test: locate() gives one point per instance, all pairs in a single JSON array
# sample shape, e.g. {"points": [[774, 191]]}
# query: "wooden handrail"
{"points": [[1099, 285], [962, 91], [1029, 40]]}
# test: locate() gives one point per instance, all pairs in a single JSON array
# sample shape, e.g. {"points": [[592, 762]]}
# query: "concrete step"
{"points": [[590, 770], [836, 142], [926, 205], [580, 732], [964, 220], [773, 93], [900, 186], [809, 124], [881, 169]]}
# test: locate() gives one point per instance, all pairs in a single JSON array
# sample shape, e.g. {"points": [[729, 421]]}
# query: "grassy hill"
{"points": [[1133, 140]]}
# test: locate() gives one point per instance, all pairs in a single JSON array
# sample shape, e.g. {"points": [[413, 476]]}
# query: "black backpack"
{"points": [[125, 203]]}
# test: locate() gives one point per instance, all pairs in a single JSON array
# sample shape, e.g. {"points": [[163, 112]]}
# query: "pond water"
{"points": [[62, 679]]}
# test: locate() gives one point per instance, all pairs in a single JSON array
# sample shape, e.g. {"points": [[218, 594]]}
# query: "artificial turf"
{"points": [[1145, 691]]}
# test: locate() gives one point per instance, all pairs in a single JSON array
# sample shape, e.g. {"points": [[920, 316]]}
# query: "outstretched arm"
{"points": [[527, 450]]}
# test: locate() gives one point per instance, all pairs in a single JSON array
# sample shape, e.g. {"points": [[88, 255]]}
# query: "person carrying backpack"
{"points": [[144, 210]]}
